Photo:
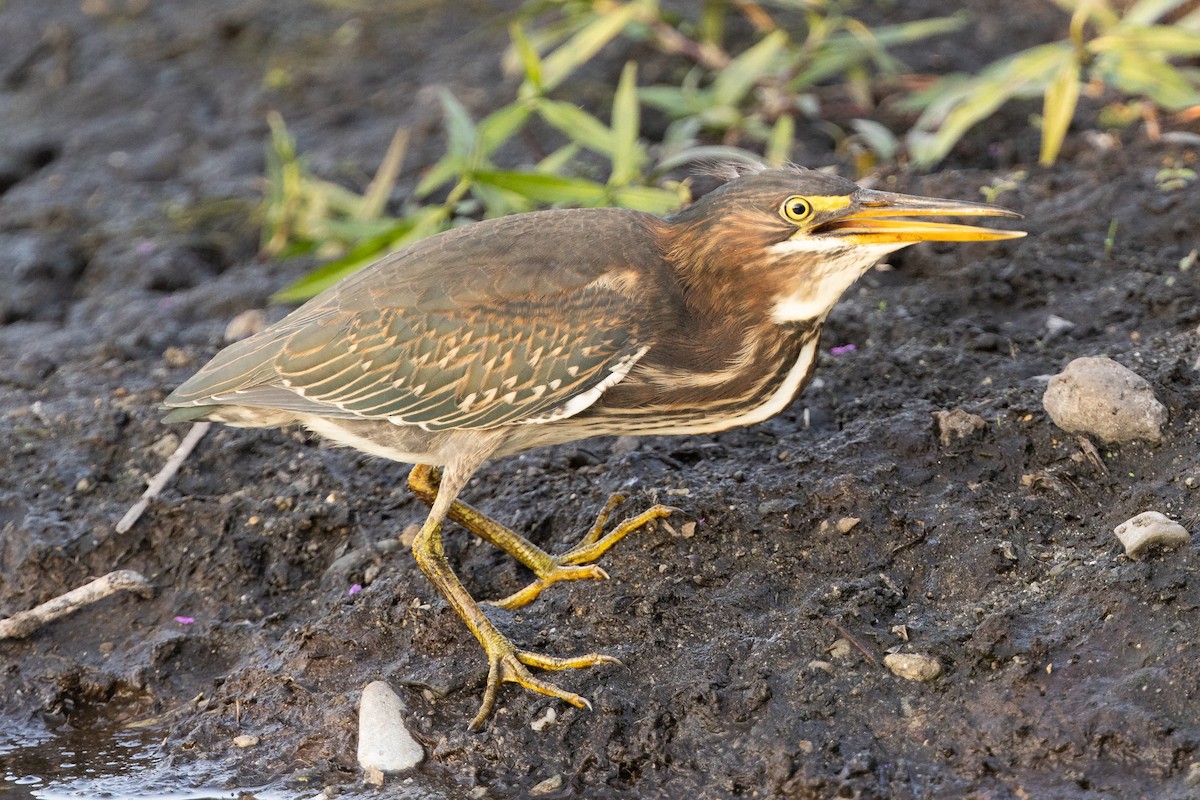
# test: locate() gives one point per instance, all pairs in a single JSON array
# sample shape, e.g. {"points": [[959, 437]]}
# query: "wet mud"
{"points": [[131, 150]]}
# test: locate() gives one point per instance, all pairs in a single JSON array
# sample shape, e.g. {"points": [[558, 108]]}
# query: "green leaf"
{"points": [[1058, 107], [779, 145], [551, 189], [736, 80], [375, 198], [650, 199], [581, 47], [1138, 74], [1166, 39], [498, 127], [577, 125], [627, 156], [710, 153], [460, 129], [425, 222], [841, 52], [449, 168], [557, 161], [673, 101], [1146, 12], [531, 63], [878, 138], [956, 106]]}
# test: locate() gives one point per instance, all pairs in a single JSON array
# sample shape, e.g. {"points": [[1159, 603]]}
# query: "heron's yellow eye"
{"points": [[796, 209]]}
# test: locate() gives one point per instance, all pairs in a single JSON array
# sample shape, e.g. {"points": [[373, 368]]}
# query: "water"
{"points": [[69, 763], [36, 762]]}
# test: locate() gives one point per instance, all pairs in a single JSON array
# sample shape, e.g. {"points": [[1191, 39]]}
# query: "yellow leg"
{"points": [[548, 569], [505, 662]]}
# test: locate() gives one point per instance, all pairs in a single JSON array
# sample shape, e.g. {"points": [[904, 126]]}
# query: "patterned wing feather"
{"points": [[474, 368], [477, 368], [521, 319]]}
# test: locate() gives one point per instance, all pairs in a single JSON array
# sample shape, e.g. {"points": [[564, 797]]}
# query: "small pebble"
{"points": [[384, 742], [1148, 530], [245, 324], [544, 720], [165, 446], [245, 740], [839, 649], [847, 524], [957, 424], [551, 784], [176, 357], [1056, 324], [1098, 396], [913, 666]]}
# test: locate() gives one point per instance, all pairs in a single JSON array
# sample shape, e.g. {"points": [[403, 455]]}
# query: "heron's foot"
{"points": [[573, 565], [507, 664]]}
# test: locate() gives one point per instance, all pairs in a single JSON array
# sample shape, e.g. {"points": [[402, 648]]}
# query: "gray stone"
{"points": [[957, 424], [1100, 397], [384, 742]]}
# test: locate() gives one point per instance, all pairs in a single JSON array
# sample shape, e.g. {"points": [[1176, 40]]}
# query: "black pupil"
{"points": [[799, 208]]}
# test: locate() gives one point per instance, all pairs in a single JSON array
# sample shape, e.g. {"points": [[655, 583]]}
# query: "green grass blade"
{"points": [[1147, 12], [577, 125], [551, 189], [966, 102], [559, 160], [581, 47], [650, 199], [375, 198], [531, 63], [460, 128], [425, 222], [674, 101], [736, 80], [1169, 40], [779, 144], [498, 127], [1139, 74], [627, 156], [449, 168], [1058, 107]]}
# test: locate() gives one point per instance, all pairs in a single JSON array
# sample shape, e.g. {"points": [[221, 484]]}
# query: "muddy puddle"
{"points": [[69, 762]]}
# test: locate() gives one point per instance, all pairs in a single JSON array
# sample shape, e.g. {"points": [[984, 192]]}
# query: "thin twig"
{"points": [[849, 637], [164, 475], [24, 623]]}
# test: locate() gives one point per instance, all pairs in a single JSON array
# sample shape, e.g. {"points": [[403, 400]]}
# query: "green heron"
{"points": [[553, 326]]}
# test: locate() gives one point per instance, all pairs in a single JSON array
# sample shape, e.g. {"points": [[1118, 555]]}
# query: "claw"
{"points": [[509, 666], [573, 564]]}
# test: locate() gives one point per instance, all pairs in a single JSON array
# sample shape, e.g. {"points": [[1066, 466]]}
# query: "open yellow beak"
{"points": [[881, 218]]}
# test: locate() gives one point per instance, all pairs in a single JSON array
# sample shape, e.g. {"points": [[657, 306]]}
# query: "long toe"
{"points": [[512, 666], [575, 564]]}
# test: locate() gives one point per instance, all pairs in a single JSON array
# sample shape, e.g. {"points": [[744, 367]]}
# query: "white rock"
{"points": [[1056, 324], [384, 742], [551, 784], [913, 666], [1150, 529], [1099, 396]]}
